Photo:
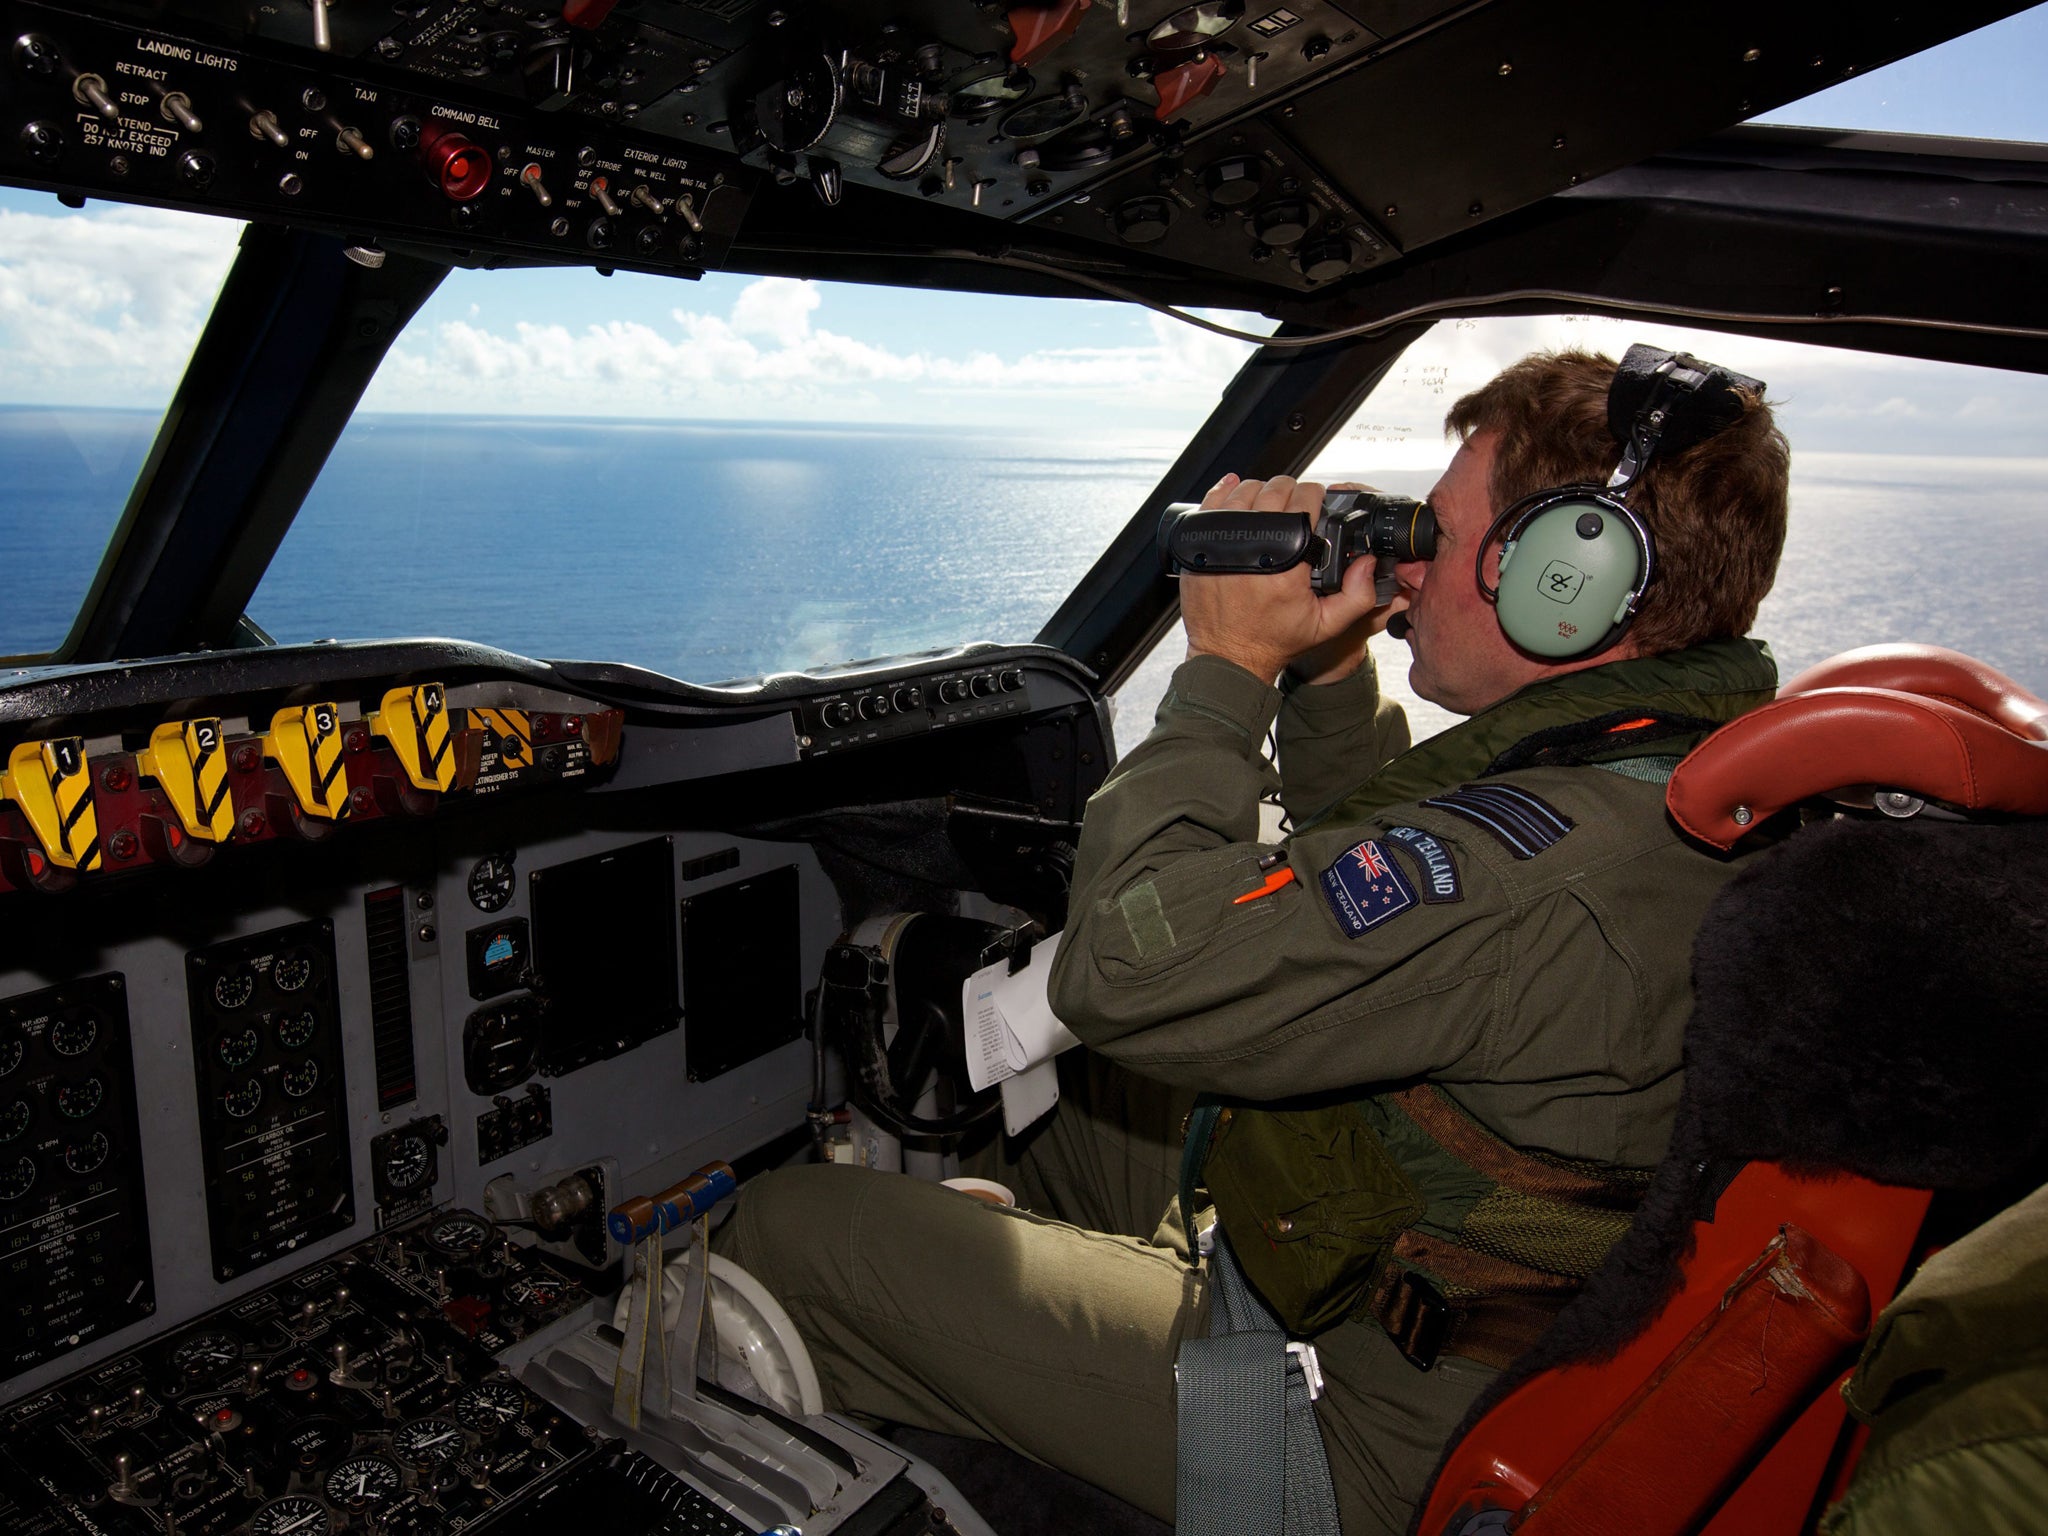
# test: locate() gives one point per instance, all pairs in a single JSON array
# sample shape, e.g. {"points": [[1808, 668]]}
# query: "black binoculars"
{"points": [[1354, 524]]}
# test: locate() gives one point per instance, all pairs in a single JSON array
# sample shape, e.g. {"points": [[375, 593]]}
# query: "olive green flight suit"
{"points": [[1548, 998]]}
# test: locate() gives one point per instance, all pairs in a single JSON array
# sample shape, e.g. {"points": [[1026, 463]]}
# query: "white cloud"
{"points": [[103, 307], [778, 308]]}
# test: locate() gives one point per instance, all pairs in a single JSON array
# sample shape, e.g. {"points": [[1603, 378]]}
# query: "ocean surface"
{"points": [[714, 551]]}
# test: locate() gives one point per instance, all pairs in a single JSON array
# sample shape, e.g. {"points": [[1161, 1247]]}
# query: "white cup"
{"points": [[983, 1189]]}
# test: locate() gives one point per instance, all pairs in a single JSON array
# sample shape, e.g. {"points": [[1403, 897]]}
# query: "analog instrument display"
{"points": [[491, 882], [74, 1034], [1194, 26], [429, 1442], [492, 1405], [364, 1480], [538, 1295], [295, 1514], [301, 1078], [81, 1098], [208, 1353], [233, 989], [14, 1119], [292, 971], [237, 1048], [17, 1178], [83, 1157], [460, 1234], [295, 1029], [11, 1051], [241, 1100], [409, 1162]]}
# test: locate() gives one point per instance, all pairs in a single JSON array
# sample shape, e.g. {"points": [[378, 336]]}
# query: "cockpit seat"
{"points": [[1902, 724], [1865, 1031]]}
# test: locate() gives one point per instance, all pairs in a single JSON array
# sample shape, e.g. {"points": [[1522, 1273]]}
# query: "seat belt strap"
{"points": [[1250, 1457]]}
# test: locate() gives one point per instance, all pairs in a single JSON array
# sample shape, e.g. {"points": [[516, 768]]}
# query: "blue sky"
{"points": [[102, 308]]}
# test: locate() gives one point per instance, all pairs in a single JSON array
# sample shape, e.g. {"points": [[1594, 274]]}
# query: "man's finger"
{"points": [[1220, 493], [1276, 495]]}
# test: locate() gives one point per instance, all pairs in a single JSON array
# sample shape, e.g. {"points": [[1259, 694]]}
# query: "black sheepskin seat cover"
{"points": [[1871, 998]]}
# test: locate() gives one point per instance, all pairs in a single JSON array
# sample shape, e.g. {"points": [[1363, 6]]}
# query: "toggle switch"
{"points": [[601, 190], [92, 90], [350, 141], [688, 210], [645, 197], [177, 108], [323, 37], [263, 125], [530, 179]]}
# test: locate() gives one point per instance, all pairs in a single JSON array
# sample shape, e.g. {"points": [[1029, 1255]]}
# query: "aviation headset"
{"points": [[1579, 555]]}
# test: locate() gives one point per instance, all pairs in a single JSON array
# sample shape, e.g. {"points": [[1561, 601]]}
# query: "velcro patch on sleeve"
{"points": [[1520, 822], [1440, 880], [1365, 887]]}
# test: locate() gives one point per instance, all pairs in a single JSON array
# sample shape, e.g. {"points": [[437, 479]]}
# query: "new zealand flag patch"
{"points": [[1439, 870], [1365, 887]]}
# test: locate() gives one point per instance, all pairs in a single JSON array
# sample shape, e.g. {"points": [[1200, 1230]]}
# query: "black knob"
{"points": [[873, 706], [839, 712], [196, 169], [44, 142], [1282, 223], [983, 684], [908, 696], [1010, 679], [953, 690], [1143, 219], [1232, 182], [1325, 258]]}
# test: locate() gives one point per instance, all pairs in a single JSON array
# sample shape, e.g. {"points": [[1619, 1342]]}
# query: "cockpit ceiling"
{"points": [[1240, 146]]}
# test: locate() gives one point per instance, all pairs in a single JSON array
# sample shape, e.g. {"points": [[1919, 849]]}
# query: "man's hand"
{"points": [[1264, 622]]}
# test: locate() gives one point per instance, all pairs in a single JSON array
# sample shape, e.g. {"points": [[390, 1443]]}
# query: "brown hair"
{"points": [[1717, 509]]}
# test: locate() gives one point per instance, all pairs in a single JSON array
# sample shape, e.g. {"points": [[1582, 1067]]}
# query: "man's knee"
{"points": [[785, 1224]]}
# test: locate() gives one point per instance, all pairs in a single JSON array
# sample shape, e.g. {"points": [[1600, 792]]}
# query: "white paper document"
{"points": [[1012, 1035]]}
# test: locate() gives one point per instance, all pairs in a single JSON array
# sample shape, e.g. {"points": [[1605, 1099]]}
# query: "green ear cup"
{"points": [[1569, 578]]}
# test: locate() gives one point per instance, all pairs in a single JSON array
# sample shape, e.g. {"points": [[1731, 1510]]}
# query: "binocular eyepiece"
{"points": [[1354, 524]]}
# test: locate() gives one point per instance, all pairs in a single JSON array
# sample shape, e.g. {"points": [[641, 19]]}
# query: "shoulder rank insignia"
{"points": [[1439, 870], [1520, 822], [1365, 888]]}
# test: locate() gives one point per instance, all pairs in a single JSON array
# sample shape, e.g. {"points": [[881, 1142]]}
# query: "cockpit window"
{"points": [[738, 476], [1982, 85], [99, 309], [1916, 492]]}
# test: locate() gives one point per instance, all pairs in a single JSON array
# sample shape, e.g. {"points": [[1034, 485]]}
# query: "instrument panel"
{"points": [[576, 965]]}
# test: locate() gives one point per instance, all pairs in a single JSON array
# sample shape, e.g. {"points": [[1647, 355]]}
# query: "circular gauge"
{"points": [[295, 1029], [233, 989], [241, 1099], [1087, 146], [11, 1051], [81, 1098], [987, 94], [408, 1160], [206, 1353], [292, 971], [1048, 114], [17, 1178], [1195, 25], [74, 1034], [429, 1442], [460, 1234], [14, 1119], [83, 1157], [491, 882], [237, 1049], [296, 1514], [491, 1406], [364, 1480], [300, 1078]]}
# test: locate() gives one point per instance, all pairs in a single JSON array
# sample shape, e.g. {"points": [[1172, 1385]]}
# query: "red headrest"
{"points": [[1916, 718]]}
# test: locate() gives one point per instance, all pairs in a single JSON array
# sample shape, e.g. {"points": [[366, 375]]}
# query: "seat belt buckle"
{"points": [[1311, 1368], [1417, 1319]]}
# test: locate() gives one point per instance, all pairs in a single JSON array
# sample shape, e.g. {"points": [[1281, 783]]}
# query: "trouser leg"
{"points": [[1108, 1158], [932, 1308]]}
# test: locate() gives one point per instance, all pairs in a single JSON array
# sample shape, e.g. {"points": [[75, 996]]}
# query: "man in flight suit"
{"points": [[1503, 914]]}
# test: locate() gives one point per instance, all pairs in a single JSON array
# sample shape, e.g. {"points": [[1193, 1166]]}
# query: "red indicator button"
{"points": [[460, 168]]}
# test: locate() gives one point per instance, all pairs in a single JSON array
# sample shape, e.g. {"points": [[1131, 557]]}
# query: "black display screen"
{"points": [[742, 971], [604, 953]]}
